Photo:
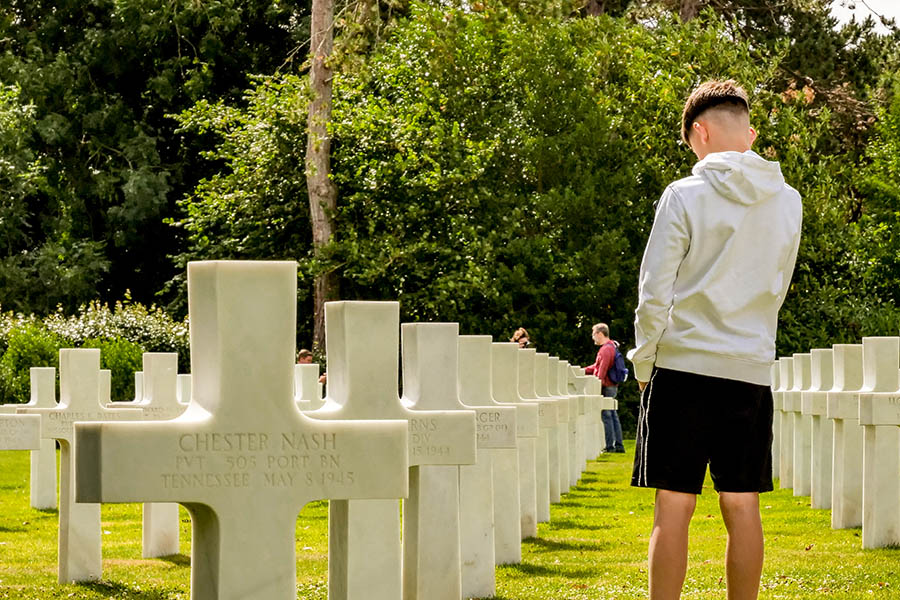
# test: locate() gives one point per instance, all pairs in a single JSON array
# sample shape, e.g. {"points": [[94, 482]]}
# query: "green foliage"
{"points": [[122, 334], [122, 357], [96, 82], [27, 344]]}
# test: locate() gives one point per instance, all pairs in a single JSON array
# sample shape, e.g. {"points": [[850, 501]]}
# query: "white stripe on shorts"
{"points": [[646, 429]]}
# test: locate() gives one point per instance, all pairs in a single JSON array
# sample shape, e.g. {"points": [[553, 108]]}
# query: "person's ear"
{"points": [[753, 135], [702, 132]]}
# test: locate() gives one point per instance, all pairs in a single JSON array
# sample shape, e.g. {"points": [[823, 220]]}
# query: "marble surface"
{"points": [[242, 459], [814, 404], [802, 425], [879, 416], [847, 449], [547, 447], [504, 385], [786, 465], [363, 384], [80, 554]]}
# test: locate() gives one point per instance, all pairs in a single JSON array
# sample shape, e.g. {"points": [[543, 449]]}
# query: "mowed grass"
{"points": [[594, 548]]}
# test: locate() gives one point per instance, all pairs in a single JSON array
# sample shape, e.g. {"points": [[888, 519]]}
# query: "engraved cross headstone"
{"points": [[505, 388], [158, 402], [431, 527], [363, 384], [478, 494], [243, 459], [879, 415], [307, 389], [786, 447], [814, 404], [559, 386], [80, 554], [777, 405], [802, 426], [547, 449], [43, 461], [541, 388], [847, 451]]}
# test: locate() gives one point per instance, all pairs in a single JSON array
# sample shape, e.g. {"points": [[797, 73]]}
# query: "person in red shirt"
{"points": [[606, 355]]}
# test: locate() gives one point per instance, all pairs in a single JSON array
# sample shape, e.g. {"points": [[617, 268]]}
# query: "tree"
{"points": [[103, 78], [322, 190]]}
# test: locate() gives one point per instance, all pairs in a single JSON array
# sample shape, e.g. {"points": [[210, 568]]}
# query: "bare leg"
{"points": [[669, 543], [744, 553]]}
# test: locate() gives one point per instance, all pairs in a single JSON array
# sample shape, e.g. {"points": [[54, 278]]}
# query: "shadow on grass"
{"points": [[4, 529], [545, 545], [571, 524], [124, 591], [179, 560], [532, 570]]}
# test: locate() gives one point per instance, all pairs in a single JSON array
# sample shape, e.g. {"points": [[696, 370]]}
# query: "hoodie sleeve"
{"points": [[666, 248]]}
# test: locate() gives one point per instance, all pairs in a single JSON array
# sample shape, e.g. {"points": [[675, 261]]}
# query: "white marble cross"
{"points": [[243, 459], [547, 449], [786, 447], [362, 340], [138, 386], [594, 402], [777, 406], [802, 425], [307, 389], [561, 465], [43, 461], [159, 402], [814, 404], [479, 495], [847, 456], [431, 518], [80, 554], [505, 388], [879, 415], [183, 391], [560, 383]]}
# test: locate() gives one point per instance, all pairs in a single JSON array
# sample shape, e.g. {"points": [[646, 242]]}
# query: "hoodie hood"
{"points": [[744, 177]]}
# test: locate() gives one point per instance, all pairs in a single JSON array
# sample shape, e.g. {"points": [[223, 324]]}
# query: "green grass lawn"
{"points": [[594, 547]]}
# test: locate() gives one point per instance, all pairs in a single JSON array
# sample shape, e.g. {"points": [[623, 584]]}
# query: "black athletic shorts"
{"points": [[688, 421]]}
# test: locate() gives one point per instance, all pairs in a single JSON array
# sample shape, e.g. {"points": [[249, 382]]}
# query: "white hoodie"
{"points": [[716, 270]]}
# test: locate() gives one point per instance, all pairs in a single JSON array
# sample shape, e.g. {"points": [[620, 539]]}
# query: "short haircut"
{"points": [[727, 94], [602, 328], [304, 353]]}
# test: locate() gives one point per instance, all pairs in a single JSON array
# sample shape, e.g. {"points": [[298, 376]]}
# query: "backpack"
{"points": [[617, 372]]}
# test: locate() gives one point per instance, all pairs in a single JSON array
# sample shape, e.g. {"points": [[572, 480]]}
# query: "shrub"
{"points": [[150, 328], [123, 358], [28, 344]]}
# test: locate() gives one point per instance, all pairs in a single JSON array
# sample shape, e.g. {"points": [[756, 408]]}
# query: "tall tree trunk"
{"points": [[322, 191], [689, 9]]}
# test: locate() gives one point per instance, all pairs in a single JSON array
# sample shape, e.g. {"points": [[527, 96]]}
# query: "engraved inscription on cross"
{"points": [[19, 432], [243, 459], [80, 556]]}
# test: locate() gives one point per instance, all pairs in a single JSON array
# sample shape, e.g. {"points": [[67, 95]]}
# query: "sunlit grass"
{"points": [[594, 548]]}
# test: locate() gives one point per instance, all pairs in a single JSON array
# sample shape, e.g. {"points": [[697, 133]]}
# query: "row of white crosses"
{"points": [[837, 434], [486, 448]]}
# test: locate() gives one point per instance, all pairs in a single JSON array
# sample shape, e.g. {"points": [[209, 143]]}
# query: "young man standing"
{"points": [[715, 272], [606, 355]]}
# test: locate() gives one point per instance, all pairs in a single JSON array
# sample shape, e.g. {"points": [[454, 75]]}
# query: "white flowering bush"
{"points": [[122, 333]]}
